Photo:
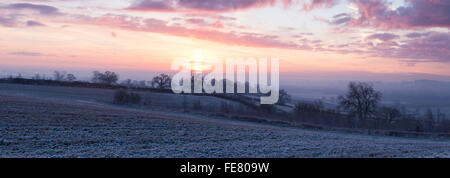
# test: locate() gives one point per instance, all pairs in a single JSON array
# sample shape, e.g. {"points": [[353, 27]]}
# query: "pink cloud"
{"points": [[218, 24], [196, 21], [163, 27], [429, 47], [418, 47], [314, 4]]}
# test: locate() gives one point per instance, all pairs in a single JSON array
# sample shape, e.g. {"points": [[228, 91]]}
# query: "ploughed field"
{"points": [[39, 125]]}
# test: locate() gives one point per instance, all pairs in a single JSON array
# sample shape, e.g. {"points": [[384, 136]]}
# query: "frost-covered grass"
{"points": [[42, 127], [105, 96]]}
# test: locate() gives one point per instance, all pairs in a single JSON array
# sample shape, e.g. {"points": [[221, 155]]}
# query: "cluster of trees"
{"points": [[63, 76], [57, 75], [161, 81], [107, 77]]}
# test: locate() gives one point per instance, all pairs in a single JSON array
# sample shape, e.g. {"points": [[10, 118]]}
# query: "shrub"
{"points": [[124, 97], [59, 75], [389, 114]]}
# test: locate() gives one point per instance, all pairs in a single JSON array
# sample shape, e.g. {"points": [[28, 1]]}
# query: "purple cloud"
{"points": [[383, 36], [343, 20], [202, 5], [42, 9], [151, 5], [430, 47], [32, 23], [22, 53], [339, 19], [222, 5], [13, 20], [434, 47], [415, 35], [420, 13], [8, 21]]}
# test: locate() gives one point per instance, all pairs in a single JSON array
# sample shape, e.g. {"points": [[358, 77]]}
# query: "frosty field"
{"points": [[41, 121]]}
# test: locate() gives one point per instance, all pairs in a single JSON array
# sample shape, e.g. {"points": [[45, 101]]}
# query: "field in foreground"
{"points": [[39, 126]]}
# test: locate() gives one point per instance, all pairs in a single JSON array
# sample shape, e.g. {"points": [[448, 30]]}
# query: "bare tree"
{"points": [[71, 77], [107, 78], [361, 99], [110, 77], [126, 82], [96, 75], [142, 83], [162, 81], [37, 77], [390, 114], [59, 75]]}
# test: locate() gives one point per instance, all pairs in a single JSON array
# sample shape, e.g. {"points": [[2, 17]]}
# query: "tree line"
{"points": [[162, 81]]}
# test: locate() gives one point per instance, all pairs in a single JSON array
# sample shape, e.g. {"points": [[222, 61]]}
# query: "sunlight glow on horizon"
{"points": [[96, 35]]}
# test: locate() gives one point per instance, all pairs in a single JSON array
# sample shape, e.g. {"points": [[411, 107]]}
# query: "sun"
{"points": [[199, 62]]}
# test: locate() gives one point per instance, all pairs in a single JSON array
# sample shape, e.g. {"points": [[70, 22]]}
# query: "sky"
{"points": [[140, 38]]}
